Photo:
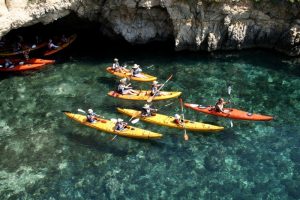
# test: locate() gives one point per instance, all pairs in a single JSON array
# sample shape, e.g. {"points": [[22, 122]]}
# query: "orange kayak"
{"points": [[231, 113], [20, 68], [61, 45], [145, 77], [30, 61], [12, 53]]}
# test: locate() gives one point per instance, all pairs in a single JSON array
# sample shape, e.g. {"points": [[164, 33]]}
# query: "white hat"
{"points": [[90, 111], [135, 66], [155, 82], [120, 120], [177, 116], [123, 80], [146, 106], [116, 59]]}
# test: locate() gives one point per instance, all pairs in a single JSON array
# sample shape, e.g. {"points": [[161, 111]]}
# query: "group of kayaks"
{"points": [[20, 65], [160, 119]]}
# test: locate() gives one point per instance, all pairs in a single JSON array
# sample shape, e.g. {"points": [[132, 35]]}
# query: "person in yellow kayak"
{"points": [[120, 125], [124, 88], [51, 45], [117, 67], [136, 71], [147, 111], [219, 107], [155, 88], [178, 119], [91, 116]]}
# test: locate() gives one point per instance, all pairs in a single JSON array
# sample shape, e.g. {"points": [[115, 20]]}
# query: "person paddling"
{"points": [[155, 88], [147, 111], [120, 125], [178, 119], [91, 116], [117, 67], [124, 88], [136, 71], [219, 107], [51, 45]]}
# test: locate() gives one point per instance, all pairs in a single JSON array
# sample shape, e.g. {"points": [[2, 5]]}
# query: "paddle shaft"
{"points": [[183, 123], [151, 98]]}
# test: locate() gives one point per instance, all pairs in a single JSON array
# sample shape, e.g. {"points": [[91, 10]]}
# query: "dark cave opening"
{"points": [[91, 39]]}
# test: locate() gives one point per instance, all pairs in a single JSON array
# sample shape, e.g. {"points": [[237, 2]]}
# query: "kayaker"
{"points": [[8, 63], [120, 125], [154, 88], [51, 45], [26, 54], [91, 116], [117, 67], [219, 107], [124, 88], [136, 71], [147, 111], [64, 39], [178, 119]]}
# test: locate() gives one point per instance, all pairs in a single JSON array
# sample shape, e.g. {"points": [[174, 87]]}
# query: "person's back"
{"points": [[120, 125], [219, 107]]}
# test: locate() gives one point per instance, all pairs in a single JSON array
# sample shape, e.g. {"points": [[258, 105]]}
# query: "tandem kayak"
{"points": [[15, 53], [30, 61], [20, 68], [231, 113], [165, 120], [108, 126], [145, 77], [61, 45], [144, 95]]}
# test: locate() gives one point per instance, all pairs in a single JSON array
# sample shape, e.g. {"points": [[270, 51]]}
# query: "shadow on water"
{"points": [[91, 142], [107, 80]]}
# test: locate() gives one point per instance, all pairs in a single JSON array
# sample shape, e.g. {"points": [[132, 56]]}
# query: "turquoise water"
{"points": [[45, 155]]}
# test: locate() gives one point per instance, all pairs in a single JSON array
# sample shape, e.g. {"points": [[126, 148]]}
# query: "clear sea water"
{"points": [[45, 155]]}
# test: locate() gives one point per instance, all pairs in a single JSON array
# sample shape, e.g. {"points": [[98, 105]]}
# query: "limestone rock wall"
{"points": [[193, 24]]}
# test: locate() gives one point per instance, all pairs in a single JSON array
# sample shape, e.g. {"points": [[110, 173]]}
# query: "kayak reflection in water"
{"points": [[91, 116], [219, 107], [147, 111], [120, 125]]}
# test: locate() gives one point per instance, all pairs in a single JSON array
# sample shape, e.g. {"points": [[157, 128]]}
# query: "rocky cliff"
{"points": [[193, 24]]}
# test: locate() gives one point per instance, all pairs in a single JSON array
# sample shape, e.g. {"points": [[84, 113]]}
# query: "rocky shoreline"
{"points": [[191, 24]]}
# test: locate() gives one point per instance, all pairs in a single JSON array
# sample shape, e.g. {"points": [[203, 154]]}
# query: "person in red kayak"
{"points": [[51, 45], [219, 107]]}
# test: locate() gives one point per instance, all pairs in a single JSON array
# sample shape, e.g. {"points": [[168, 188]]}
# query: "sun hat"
{"points": [[120, 120], [146, 106], [177, 116], [135, 66], [90, 111], [116, 60]]}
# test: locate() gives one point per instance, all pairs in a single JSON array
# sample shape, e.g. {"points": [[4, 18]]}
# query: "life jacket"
{"points": [[121, 88], [90, 118], [115, 65], [120, 126], [136, 71]]}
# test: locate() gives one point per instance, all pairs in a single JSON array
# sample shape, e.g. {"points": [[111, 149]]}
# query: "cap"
{"points": [[135, 66], [177, 116]]}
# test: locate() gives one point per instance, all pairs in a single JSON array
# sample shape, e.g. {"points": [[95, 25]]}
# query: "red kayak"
{"points": [[61, 45], [20, 68], [29, 61], [231, 113]]}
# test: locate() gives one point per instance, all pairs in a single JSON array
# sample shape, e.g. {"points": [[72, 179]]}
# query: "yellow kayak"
{"points": [[169, 121], [145, 77], [144, 95], [108, 126]]}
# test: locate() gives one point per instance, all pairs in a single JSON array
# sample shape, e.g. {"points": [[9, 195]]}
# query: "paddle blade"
{"points": [[231, 123], [186, 137], [113, 120], [229, 89], [135, 121], [80, 110]]}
